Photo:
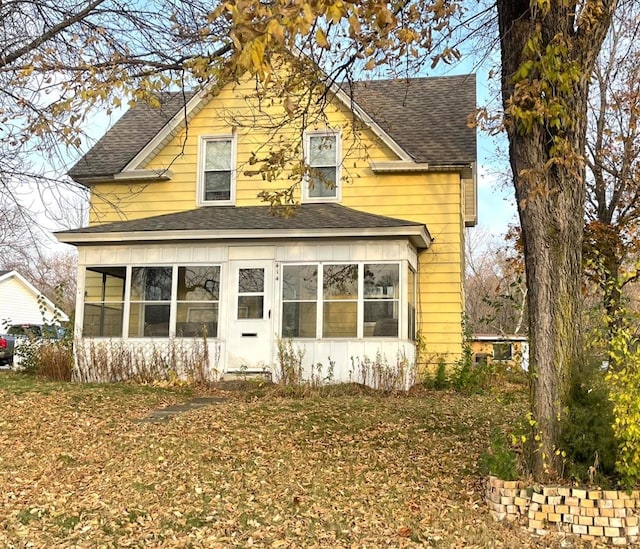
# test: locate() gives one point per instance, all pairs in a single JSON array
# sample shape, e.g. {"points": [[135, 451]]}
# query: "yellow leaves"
{"points": [[321, 39]]}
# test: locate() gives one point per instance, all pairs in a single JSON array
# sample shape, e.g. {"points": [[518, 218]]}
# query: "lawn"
{"points": [[78, 469]]}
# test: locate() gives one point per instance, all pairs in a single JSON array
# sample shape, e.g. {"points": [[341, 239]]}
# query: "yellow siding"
{"points": [[435, 199]]}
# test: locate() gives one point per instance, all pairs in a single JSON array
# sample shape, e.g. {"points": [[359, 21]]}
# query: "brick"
{"points": [[506, 500], [588, 521], [605, 504], [509, 492], [618, 503], [521, 502], [499, 508], [538, 498], [617, 522], [630, 503], [632, 530], [579, 529], [594, 494], [619, 541], [620, 512], [587, 503], [607, 513], [495, 482], [568, 518], [590, 512], [510, 484], [578, 493], [596, 530], [562, 491], [601, 521], [631, 521], [539, 515], [535, 524], [534, 506], [554, 500], [542, 532], [513, 510], [611, 532], [571, 501], [588, 538], [550, 490], [554, 517], [610, 494], [562, 509]]}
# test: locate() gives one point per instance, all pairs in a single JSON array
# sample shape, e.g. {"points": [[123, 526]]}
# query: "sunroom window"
{"points": [[103, 301], [198, 301], [150, 301], [354, 300]]}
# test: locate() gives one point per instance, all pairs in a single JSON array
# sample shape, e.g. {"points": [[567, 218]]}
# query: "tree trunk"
{"points": [[550, 191]]}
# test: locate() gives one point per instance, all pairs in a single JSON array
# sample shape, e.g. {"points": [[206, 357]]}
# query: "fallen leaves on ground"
{"points": [[78, 470]]}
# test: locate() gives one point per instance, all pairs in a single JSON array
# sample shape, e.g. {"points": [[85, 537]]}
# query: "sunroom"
{"points": [[339, 284]]}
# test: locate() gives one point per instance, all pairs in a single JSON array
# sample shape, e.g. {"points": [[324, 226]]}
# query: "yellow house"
{"points": [[369, 265]]}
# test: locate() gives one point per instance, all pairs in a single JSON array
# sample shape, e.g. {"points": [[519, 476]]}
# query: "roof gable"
{"points": [[6, 276], [422, 120]]}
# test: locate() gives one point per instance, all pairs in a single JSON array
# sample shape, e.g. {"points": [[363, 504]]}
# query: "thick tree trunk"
{"points": [[550, 196]]}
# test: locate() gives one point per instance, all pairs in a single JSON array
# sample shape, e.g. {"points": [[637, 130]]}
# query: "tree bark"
{"points": [[550, 198]]}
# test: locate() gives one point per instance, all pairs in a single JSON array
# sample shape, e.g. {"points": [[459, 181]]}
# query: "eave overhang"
{"points": [[418, 235]]}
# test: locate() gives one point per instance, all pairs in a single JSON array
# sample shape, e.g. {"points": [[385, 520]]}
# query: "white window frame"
{"points": [[305, 183], [202, 150], [402, 305]]}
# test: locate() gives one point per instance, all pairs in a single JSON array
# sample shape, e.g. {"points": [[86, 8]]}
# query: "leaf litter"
{"points": [[77, 470]]}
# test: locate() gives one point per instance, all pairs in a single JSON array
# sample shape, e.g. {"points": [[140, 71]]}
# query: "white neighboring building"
{"points": [[20, 302]]}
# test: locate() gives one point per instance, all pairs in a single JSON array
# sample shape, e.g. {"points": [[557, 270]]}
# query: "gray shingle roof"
{"points": [[427, 117], [128, 136], [229, 218]]}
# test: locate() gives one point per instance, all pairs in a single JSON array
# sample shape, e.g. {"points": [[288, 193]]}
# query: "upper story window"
{"points": [[322, 155], [217, 170]]}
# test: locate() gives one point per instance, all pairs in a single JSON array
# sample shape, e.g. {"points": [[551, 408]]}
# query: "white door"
{"points": [[250, 325]]}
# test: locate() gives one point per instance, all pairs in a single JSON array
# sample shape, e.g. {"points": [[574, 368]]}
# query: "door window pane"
{"points": [[250, 293]]}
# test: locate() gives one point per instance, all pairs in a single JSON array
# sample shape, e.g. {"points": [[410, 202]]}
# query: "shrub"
{"points": [[499, 460], [587, 432]]}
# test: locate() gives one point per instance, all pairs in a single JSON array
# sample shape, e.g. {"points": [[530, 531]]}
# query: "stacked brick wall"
{"points": [[610, 516]]}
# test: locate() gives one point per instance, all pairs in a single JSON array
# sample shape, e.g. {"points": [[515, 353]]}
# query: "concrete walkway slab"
{"points": [[163, 415]]}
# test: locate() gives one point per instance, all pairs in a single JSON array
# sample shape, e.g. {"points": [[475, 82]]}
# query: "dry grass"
{"points": [[352, 469]]}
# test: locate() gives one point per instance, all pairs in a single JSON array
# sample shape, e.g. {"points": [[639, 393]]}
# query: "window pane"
{"points": [[102, 320], [148, 320], [218, 155], [298, 319], [322, 150], [217, 185], [151, 283], [322, 182], [197, 319], [340, 319], [502, 351], [382, 317], [381, 281], [250, 306], [300, 282], [198, 283], [411, 294], [104, 284], [340, 281], [250, 281]]}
